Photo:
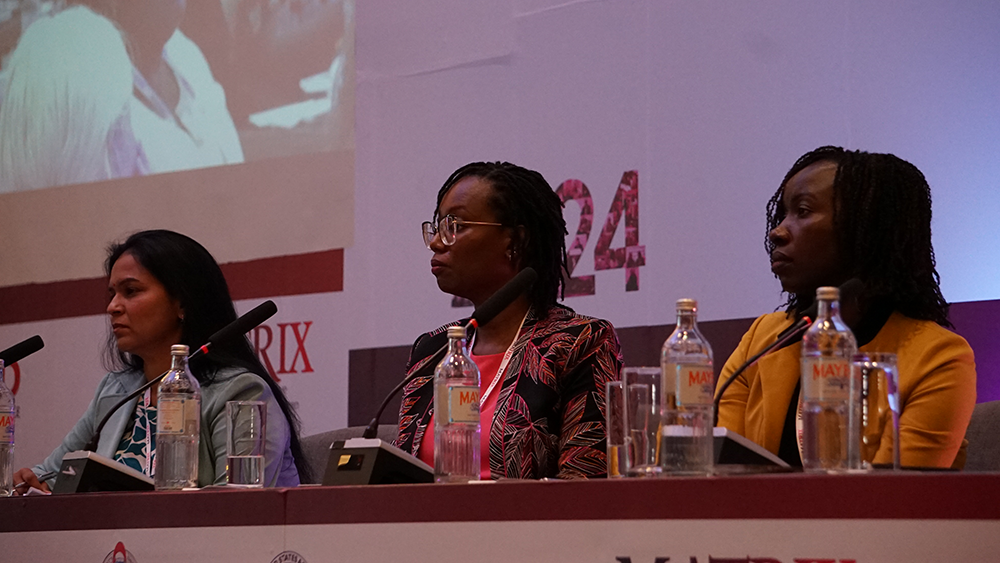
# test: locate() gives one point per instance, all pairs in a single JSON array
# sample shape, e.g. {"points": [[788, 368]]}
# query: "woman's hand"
{"points": [[24, 479]]}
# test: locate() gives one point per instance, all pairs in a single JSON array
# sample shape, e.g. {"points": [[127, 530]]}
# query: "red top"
{"points": [[488, 367]]}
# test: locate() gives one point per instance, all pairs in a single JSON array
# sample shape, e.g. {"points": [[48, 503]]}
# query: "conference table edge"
{"points": [[788, 496]]}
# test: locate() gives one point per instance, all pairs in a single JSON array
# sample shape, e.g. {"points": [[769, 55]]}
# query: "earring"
{"points": [[510, 255]]}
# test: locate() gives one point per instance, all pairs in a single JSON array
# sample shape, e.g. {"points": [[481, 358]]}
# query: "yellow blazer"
{"points": [[937, 385]]}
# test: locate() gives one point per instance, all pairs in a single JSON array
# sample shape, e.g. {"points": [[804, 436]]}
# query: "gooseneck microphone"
{"points": [[851, 289], [21, 350], [504, 296], [245, 323], [483, 314]]}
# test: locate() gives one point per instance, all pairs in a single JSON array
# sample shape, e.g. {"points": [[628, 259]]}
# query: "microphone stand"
{"points": [[850, 289], [482, 315], [787, 336], [265, 310], [371, 431], [92, 444]]}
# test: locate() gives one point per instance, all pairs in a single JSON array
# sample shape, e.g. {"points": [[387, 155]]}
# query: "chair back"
{"points": [[983, 435]]}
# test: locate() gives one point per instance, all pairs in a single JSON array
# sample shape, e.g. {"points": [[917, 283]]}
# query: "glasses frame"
{"points": [[447, 227]]}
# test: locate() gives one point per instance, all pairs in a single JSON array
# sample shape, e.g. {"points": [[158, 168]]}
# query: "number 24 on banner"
{"points": [[630, 257]]}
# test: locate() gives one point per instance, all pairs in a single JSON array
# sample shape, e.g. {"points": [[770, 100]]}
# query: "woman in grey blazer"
{"points": [[164, 289]]}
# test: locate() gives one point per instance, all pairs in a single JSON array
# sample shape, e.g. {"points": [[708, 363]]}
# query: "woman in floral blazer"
{"points": [[550, 365]]}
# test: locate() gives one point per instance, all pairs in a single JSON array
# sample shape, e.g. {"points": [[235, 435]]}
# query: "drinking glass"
{"points": [[878, 376], [642, 416], [246, 443], [617, 429]]}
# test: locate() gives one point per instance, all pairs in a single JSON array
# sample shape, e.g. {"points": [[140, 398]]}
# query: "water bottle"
{"points": [[830, 432], [456, 413], [7, 413], [688, 386], [178, 425]]}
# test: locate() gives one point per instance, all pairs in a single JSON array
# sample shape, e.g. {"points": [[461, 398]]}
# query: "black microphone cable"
{"points": [[483, 314], [240, 326], [849, 290]]}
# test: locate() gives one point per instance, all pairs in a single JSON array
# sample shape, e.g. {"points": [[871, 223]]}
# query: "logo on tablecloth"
{"points": [[120, 555], [288, 557]]}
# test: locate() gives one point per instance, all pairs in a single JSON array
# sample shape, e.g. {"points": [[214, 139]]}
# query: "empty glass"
{"points": [[642, 415]]}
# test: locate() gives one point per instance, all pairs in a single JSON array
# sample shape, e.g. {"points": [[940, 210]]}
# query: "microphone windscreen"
{"points": [[505, 296], [851, 289], [21, 350], [247, 322]]}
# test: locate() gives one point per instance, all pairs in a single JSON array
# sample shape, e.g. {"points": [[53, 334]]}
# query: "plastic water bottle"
{"points": [[456, 413], [830, 439], [7, 413], [178, 424], [688, 385]]}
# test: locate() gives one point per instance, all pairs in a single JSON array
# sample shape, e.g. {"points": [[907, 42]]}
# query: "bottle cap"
{"points": [[456, 331], [179, 350], [687, 305], [828, 293]]}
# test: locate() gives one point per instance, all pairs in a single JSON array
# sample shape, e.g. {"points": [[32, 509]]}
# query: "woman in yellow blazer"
{"points": [[841, 214]]}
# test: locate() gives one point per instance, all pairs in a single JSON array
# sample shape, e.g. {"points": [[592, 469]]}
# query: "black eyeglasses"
{"points": [[447, 227]]}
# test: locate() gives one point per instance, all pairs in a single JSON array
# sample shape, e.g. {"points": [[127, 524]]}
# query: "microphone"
{"points": [[21, 350], [504, 296], [849, 290], [245, 323], [483, 314]]}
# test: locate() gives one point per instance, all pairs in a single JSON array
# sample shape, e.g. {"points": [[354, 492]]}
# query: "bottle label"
{"points": [[826, 379], [171, 416], [463, 403], [192, 416], [691, 384], [6, 427]]}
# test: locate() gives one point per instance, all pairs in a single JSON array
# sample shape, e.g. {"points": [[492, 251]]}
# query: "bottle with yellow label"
{"points": [[688, 384], [7, 414], [456, 413], [827, 397]]}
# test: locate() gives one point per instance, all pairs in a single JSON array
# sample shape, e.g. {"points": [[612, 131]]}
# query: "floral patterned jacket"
{"points": [[549, 418]]}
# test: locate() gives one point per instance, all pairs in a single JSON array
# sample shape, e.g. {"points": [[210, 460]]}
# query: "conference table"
{"points": [[879, 517]]}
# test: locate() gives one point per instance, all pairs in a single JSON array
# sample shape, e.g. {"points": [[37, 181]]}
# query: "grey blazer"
{"points": [[231, 384]]}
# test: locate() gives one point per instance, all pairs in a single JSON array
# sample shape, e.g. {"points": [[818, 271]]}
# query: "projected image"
{"points": [[95, 90]]}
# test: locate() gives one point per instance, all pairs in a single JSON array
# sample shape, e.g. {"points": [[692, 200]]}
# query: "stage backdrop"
{"points": [[668, 125]]}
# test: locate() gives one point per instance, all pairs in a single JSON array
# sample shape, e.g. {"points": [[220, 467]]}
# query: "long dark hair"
{"points": [[191, 275], [882, 217], [522, 198]]}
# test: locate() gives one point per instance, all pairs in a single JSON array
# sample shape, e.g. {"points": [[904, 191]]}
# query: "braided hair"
{"points": [[882, 220], [522, 198]]}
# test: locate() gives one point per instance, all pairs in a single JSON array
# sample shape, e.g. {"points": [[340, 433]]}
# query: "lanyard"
{"points": [[503, 363], [799, 424]]}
